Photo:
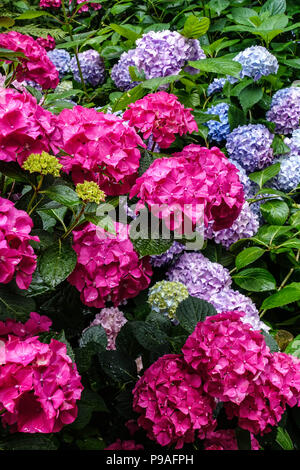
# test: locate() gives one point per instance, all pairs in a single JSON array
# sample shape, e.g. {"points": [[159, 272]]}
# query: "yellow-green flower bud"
{"points": [[165, 296], [89, 191], [42, 163]]}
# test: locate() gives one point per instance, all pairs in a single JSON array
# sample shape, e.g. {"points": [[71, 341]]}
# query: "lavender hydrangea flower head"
{"points": [[218, 130], [112, 320], [160, 260], [61, 59], [245, 226], [288, 177], [216, 85], [285, 110], [250, 146], [92, 67], [202, 277], [229, 299], [120, 71], [257, 62], [294, 142], [244, 178]]}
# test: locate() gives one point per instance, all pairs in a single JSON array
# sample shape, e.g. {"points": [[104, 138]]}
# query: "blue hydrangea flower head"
{"points": [[250, 146], [285, 110], [257, 62], [216, 85], [288, 177], [120, 71], [244, 178], [61, 59], [294, 142], [218, 130], [92, 67]]}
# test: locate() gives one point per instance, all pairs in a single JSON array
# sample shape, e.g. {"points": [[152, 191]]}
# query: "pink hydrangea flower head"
{"points": [[225, 439], [108, 268], [125, 445], [39, 386], [172, 404], [34, 325], [50, 3], [36, 65], [197, 184], [25, 127], [17, 257], [84, 8], [47, 43], [102, 148], [112, 320], [161, 115]]}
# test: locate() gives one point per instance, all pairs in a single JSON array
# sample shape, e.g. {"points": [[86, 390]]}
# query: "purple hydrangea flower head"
{"points": [[160, 260], [244, 178], [257, 62], [288, 177], [120, 71], [216, 85], [61, 59], [112, 320], [202, 277], [230, 300], [218, 130], [92, 67], [294, 142], [285, 110], [250, 146], [245, 226]]}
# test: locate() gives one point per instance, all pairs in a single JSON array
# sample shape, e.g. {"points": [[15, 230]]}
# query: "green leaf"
{"points": [[287, 295], [195, 27], [128, 97], [279, 147], [125, 31], [293, 347], [117, 9], [56, 263], [244, 16], [248, 256], [154, 83], [269, 233], [63, 194], [243, 438], [94, 334], [271, 342], [236, 117], [193, 310], [275, 212], [30, 14], [14, 171], [218, 5], [6, 22], [15, 306], [255, 280], [111, 52], [149, 336], [250, 96], [149, 246], [219, 65], [284, 440], [30, 442], [261, 177], [295, 63], [274, 7], [118, 366]]}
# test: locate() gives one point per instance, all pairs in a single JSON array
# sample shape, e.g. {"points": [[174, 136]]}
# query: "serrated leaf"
{"points": [[248, 256], [193, 310], [125, 31], [269, 233], [149, 336], [287, 295], [236, 117], [94, 334], [15, 306], [56, 263], [118, 366], [255, 280], [293, 347], [279, 147], [275, 212], [218, 65], [274, 7], [249, 96], [128, 97], [261, 177], [63, 194], [195, 27]]}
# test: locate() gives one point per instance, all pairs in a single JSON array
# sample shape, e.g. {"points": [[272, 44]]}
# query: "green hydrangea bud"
{"points": [[42, 163], [165, 296], [65, 85], [90, 191]]}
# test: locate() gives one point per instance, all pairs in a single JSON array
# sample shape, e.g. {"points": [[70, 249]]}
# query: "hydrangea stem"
{"points": [[36, 191]]}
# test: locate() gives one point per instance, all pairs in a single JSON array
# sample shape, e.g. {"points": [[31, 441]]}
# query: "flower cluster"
{"points": [[162, 116], [257, 62], [157, 54], [159, 260], [294, 142], [172, 404], [250, 146], [50, 3], [225, 439], [25, 127], [218, 130], [112, 320], [245, 226], [34, 325], [237, 368], [36, 65], [84, 8], [17, 257], [288, 177], [47, 43], [61, 59], [102, 148], [244, 178], [216, 85], [90, 191], [108, 268], [43, 163], [125, 445], [91, 65], [165, 296], [57, 4], [285, 110], [196, 183], [39, 386]]}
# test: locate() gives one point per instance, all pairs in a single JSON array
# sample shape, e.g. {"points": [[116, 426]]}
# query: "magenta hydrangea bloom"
{"points": [[102, 148], [17, 257], [125, 445], [161, 115], [225, 439], [197, 183], [112, 320], [36, 65], [47, 43], [172, 404], [108, 268], [50, 3], [39, 386], [25, 127], [34, 325]]}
